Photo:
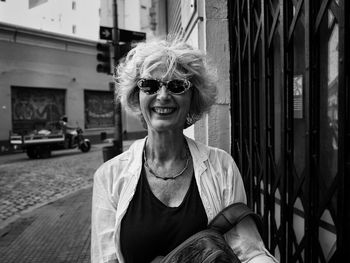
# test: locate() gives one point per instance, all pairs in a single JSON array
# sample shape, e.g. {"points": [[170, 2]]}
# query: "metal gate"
{"points": [[290, 122]]}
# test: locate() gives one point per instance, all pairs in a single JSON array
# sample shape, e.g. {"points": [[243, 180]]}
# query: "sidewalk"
{"points": [[58, 231]]}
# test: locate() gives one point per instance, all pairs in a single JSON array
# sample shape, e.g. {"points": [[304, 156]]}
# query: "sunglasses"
{"points": [[175, 86]]}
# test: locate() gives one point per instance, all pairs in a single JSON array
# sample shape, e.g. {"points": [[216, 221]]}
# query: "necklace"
{"points": [[168, 177]]}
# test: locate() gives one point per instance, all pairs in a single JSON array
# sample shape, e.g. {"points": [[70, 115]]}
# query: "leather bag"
{"points": [[209, 245]]}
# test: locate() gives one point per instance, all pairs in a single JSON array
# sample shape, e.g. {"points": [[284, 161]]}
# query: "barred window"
{"points": [[99, 109]]}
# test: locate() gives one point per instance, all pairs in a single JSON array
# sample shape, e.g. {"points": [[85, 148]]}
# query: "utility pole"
{"points": [[118, 136], [126, 37]]}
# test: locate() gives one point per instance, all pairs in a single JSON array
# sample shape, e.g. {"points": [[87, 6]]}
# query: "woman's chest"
{"points": [[170, 192]]}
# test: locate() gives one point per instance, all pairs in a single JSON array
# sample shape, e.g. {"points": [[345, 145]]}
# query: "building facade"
{"points": [[73, 18], [45, 76], [48, 70], [282, 112]]}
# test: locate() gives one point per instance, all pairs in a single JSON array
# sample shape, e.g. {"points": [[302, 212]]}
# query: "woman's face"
{"points": [[164, 111]]}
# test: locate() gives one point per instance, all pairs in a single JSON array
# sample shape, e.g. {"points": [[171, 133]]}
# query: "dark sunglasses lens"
{"points": [[149, 86], [177, 86]]}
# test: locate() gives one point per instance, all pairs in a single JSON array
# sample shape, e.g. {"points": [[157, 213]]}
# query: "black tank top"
{"points": [[150, 228]]}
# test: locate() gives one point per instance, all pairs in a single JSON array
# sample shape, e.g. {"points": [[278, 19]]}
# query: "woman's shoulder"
{"points": [[211, 152]]}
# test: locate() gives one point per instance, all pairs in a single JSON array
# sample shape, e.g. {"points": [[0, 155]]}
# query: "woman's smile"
{"points": [[164, 110]]}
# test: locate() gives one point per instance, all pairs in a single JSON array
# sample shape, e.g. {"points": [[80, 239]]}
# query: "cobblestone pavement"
{"points": [[26, 183]]}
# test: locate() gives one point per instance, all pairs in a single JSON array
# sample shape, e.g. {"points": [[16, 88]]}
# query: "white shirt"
{"points": [[219, 184]]}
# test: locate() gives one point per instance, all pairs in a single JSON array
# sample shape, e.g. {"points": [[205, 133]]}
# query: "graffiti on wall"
{"points": [[99, 109], [32, 105]]}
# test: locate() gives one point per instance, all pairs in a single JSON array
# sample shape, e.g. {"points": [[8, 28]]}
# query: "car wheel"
{"points": [[32, 153]]}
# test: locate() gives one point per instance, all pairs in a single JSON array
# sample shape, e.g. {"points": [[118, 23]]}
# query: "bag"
{"points": [[209, 246], [206, 246]]}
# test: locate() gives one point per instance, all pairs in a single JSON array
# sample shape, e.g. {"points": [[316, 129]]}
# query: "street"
{"points": [[46, 206], [26, 183]]}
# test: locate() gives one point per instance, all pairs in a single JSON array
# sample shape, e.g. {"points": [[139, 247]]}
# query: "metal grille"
{"points": [[290, 121], [174, 16]]}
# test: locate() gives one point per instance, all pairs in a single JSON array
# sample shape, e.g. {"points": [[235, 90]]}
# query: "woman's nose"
{"points": [[163, 92]]}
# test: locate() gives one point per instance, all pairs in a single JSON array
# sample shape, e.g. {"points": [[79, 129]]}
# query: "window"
{"points": [[74, 5], [74, 29], [34, 108], [99, 109]]}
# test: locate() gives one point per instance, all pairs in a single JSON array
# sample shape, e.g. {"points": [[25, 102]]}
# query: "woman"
{"points": [[166, 187]]}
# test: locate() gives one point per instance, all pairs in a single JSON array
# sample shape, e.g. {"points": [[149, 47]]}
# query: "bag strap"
{"points": [[230, 216]]}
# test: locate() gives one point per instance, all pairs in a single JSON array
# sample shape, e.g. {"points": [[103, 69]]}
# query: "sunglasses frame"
{"points": [[164, 83]]}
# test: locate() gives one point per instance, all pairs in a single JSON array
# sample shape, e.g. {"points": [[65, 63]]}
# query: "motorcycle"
{"points": [[83, 144]]}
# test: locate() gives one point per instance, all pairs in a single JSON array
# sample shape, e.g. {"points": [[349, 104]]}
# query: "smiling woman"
{"points": [[177, 60], [166, 187]]}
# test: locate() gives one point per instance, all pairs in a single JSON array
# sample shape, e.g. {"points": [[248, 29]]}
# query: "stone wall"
{"points": [[216, 44]]}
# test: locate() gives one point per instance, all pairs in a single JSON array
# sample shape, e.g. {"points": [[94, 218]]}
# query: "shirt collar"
{"points": [[199, 153], [136, 150]]}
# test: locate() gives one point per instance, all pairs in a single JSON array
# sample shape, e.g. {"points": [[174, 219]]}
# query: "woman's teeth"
{"points": [[163, 110]]}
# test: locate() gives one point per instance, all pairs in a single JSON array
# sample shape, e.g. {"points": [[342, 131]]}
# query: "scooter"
{"points": [[83, 144]]}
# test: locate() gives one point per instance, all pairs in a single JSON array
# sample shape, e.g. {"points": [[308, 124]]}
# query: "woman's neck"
{"points": [[165, 146]]}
